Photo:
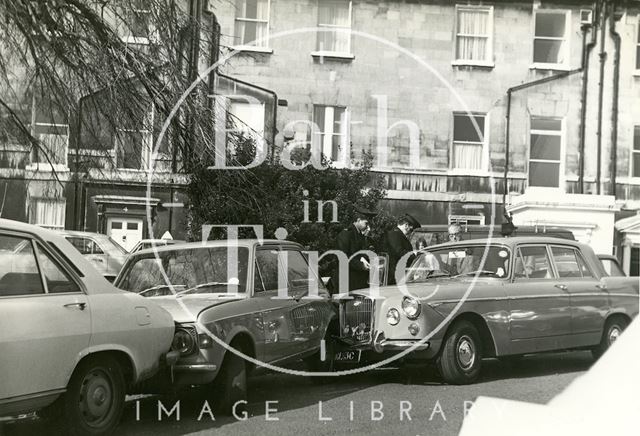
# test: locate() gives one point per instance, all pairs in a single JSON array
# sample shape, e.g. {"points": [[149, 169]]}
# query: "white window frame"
{"points": [[566, 52], [327, 143], [633, 152], [561, 161], [257, 136], [484, 168], [490, 38], [142, 40], [146, 151], [33, 205], [637, 45], [241, 46], [335, 54]]}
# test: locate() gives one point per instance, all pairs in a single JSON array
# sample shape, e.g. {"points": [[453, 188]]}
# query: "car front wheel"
{"points": [[230, 386], [461, 359]]}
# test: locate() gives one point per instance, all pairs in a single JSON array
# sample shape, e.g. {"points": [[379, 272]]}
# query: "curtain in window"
{"points": [[467, 156], [252, 22], [334, 15], [471, 44], [48, 212]]}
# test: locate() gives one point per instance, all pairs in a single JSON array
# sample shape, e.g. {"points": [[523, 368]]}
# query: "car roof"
{"points": [[249, 243], [509, 241], [80, 233]]}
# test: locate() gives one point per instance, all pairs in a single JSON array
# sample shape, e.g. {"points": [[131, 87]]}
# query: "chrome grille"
{"points": [[306, 318], [357, 319]]}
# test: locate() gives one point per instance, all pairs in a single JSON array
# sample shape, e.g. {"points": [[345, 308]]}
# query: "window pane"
{"points": [[297, 270], [132, 226], [318, 117], [257, 280], [638, 55], [268, 263], [465, 130], [636, 138], [544, 174], [80, 245], [551, 25], [546, 147], [473, 22], [116, 224], [636, 165], [546, 124], [468, 156], [471, 48], [547, 52], [58, 281], [334, 41], [339, 120], [334, 13], [18, 269], [584, 268], [566, 263], [536, 262]]}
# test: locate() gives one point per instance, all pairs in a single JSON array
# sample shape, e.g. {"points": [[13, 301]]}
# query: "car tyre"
{"points": [[94, 400], [613, 328], [315, 363], [460, 360], [230, 386]]}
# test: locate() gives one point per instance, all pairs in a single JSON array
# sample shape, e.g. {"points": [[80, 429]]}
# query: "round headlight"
{"points": [[411, 307], [393, 316], [182, 342]]}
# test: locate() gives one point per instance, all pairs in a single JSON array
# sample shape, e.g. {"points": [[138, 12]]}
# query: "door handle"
{"points": [[563, 287], [80, 306], [601, 287]]}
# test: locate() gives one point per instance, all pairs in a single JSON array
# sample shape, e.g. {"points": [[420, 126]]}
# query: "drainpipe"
{"points": [[510, 91], [275, 107], [583, 99], [603, 57], [614, 107]]}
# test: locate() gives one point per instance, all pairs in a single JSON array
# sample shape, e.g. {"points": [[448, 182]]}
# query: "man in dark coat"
{"points": [[397, 244], [350, 241]]}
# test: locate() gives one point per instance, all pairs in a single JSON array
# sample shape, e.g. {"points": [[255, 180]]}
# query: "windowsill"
{"points": [[636, 73], [468, 172], [475, 64], [43, 166], [332, 55], [552, 67], [252, 49]]}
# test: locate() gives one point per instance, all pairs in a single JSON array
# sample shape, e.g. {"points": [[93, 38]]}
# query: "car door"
{"points": [[589, 302], [271, 289], [539, 310], [45, 319]]}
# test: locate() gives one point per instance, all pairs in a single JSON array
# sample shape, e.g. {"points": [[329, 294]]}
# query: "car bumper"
{"points": [[381, 347]]}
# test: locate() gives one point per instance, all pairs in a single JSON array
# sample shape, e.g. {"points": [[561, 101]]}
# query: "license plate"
{"points": [[347, 356]]}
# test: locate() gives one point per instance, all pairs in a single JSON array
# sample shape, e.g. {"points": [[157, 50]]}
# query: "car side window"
{"points": [[533, 263], [19, 274], [267, 263], [566, 262], [297, 269], [58, 280], [584, 268], [80, 244], [94, 247]]}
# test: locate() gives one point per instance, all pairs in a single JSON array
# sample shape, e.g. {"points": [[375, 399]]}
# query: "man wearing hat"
{"points": [[397, 244], [350, 241]]}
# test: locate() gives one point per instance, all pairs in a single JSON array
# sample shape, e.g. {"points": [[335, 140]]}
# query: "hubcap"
{"points": [[614, 333], [96, 397], [466, 352]]}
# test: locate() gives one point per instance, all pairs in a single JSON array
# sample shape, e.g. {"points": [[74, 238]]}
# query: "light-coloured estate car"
{"points": [[230, 291], [525, 295], [71, 344], [105, 254]]}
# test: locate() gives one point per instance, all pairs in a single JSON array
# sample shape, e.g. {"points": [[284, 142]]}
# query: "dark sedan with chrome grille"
{"points": [[461, 302], [235, 305]]}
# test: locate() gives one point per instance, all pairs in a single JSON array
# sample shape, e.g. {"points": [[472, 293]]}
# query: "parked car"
{"points": [[106, 255], [611, 265], [143, 244], [434, 234], [531, 294], [223, 293], [71, 344]]}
